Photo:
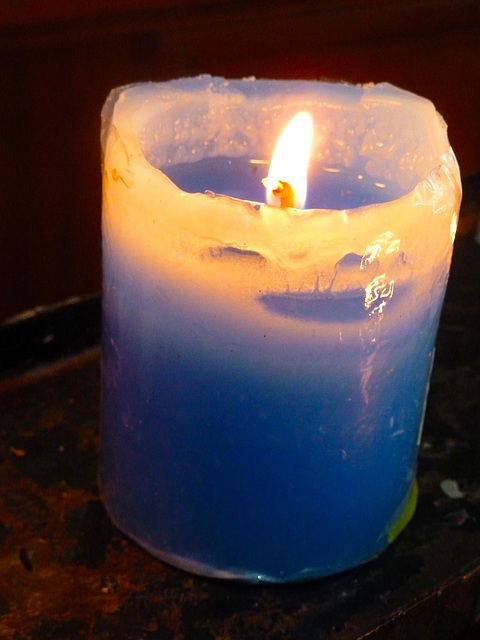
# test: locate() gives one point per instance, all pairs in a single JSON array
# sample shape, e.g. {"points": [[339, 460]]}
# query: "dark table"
{"points": [[67, 573]]}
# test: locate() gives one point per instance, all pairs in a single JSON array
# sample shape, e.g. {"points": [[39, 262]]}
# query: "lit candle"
{"points": [[266, 367]]}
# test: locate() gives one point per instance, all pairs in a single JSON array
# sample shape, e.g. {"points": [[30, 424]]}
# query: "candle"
{"points": [[265, 368]]}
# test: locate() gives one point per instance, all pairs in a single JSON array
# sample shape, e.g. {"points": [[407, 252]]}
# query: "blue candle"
{"points": [[265, 369]]}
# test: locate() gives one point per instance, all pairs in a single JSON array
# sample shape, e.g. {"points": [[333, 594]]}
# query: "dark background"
{"points": [[59, 59]]}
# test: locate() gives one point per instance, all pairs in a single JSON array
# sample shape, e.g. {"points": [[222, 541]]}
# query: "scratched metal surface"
{"points": [[67, 573]]}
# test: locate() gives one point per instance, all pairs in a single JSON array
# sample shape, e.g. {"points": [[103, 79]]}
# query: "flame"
{"points": [[290, 160]]}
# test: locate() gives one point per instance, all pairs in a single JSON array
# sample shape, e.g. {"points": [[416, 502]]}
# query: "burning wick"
{"points": [[286, 194], [287, 175]]}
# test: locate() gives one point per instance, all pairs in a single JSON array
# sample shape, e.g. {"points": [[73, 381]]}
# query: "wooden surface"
{"points": [[59, 60]]}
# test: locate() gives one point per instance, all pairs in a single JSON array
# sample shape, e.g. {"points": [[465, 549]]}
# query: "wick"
{"points": [[286, 194]]}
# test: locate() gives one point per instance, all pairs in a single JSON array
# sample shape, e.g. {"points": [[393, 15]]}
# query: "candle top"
{"points": [[383, 132]]}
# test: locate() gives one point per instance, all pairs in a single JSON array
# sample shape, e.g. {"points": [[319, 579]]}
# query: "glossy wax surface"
{"points": [[328, 187], [265, 371]]}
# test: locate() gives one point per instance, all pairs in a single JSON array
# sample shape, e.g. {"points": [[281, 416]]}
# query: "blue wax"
{"points": [[242, 178], [221, 464]]}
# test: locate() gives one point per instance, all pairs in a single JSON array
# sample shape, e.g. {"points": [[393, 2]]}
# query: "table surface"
{"points": [[67, 573]]}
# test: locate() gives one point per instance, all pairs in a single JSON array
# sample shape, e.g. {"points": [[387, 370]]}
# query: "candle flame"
{"points": [[289, 163]]}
